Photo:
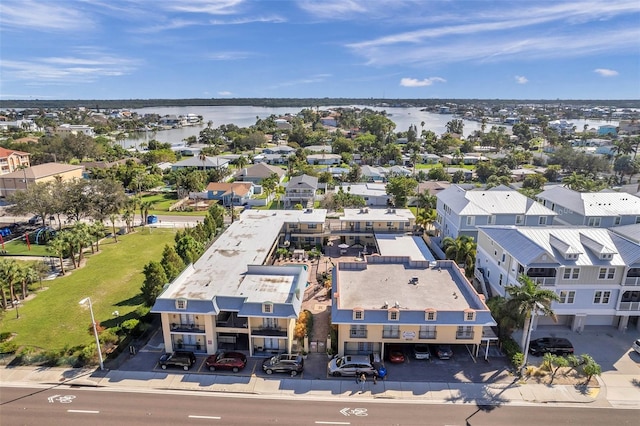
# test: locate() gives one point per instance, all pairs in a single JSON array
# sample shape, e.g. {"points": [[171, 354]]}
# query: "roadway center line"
{"points": [[318, 422], [205, 417], [83, 411]]}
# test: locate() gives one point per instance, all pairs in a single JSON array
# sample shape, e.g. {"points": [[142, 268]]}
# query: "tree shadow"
{"points": [[132, 301], [635, 382]]}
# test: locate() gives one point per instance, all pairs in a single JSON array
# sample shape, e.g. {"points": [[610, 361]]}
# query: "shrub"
{"points": [[131, 326], [304, 324], [5, 335], [8, 347]]}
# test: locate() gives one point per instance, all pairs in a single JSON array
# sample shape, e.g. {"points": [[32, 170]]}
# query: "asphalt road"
{"points": [[61, 405]]}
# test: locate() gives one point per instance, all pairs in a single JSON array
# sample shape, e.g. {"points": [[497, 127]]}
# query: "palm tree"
{"points": [[29, 276], [203, 157], [527, 299], [242, 161], [10, 274], [424, 200], [426, 218], [575, 181], [462, 250], [58, 246], [112, 218], [144, 210]]}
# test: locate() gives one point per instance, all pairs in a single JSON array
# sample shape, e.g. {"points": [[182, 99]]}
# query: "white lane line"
{"points": [[83, 411], [318, 422], [205, 417]]}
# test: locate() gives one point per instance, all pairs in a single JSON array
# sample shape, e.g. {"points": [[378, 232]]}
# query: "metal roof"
{"points": [[606, 203], [497, 200]]}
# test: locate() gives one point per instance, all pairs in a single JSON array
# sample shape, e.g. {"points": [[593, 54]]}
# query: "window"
{"points": [[267, 308], [427, 332], [390, 331], [504, 256], [601, 297], [430, 315], [358, 314], [519, 219], [607, 273], [567, 296], [637, 219], [181, 304], [542, 220], [358, 331], [491, 220], [469, 315], [464, 332], [500, 281], [312, 225], [594, 221], [470, 220], [617, 220], [571, 273], [394, 314]]}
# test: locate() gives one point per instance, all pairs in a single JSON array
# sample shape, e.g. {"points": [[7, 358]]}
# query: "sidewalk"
{"points": [[325, 389]]}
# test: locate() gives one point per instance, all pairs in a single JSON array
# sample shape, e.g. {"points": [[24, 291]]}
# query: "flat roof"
{"points": [[377, 284], [411, 246], [373, 214], [220, 271]]}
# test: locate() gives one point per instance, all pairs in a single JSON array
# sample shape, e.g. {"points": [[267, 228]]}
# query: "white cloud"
{"points": [[225, 93], [228, 56], [250, 20], [45, 16], [521, 79], [414, 82], [212, 7], [604, 72]]}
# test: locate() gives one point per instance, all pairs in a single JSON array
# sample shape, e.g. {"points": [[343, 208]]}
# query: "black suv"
{"points": [[184, 359], [285, 363], [553, 345]]}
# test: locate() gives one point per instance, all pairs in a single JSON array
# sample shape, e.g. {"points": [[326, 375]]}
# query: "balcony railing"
{"points": [[544, 281], [632, 281], [187, 328], [467, 335], [629, 306], [427, 335], [270, 331], [358, 334], [390, 334], [231, 320]]}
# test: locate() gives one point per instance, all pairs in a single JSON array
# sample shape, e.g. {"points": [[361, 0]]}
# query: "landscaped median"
{"points": [[52, 320]]}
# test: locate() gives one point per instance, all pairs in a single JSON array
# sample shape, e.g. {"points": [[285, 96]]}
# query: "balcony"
{"points": [[632, 281], [186, 328], [544, 281], [427, 335], [230, 320], [629, 306], [390, 334], [466, 335], [270, 332], [358, 334]]}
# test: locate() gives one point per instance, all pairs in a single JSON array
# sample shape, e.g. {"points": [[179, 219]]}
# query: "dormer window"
{"points": [[393, 315], [430, 315], [469, 315], [607, 256], [594, 221], [181, 304], [358, 314], [267, 308]]}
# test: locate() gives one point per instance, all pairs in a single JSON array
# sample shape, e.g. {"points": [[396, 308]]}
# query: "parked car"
{"points": [[395, 354], [351, 365], [636, 346], [444, 351], [285, 363], [35, 220], [234, 361], [421, 351], [553, 345], [183, 359]]}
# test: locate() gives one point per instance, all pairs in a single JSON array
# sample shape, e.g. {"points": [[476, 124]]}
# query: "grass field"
{"points": [[18, 247], [112, 278], [161, 204]]}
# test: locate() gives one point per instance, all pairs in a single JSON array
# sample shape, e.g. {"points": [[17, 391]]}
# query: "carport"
{"points": [[488, 336]]}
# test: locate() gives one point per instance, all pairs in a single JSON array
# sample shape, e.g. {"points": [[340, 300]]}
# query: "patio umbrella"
{"points": [[344, 246]]}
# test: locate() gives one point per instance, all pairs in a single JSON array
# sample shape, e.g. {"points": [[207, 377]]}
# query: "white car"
{"points": [[636, 346]]}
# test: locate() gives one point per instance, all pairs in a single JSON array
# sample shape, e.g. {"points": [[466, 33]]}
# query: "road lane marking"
{"points": [[205, 417], [318, 422], [83, 411]]}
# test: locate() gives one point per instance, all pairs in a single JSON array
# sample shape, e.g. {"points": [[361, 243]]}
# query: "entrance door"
{"points": [[271, 344]]}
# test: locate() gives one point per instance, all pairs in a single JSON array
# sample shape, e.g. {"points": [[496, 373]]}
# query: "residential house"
{"points": [[259, 172], [208, 163], [359, 227], [301, 190], [598, 209], [594, 271], [399, 171], [12, 160], [373, 173], [280, 150], [460, 212], [21, 179], [230, 193], [374, 194], [402, 300], [607, 129], [71, 129], [319, 149], [324, 159], [232, 297]]}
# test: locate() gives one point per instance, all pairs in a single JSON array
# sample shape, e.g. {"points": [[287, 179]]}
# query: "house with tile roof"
{"points": [[21, 179], [598, 209], [12, 160], [460, 211], [594, 271]]}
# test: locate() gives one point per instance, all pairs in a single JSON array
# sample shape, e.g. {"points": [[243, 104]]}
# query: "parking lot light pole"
{"points": [[15, 304], [95, 330]]}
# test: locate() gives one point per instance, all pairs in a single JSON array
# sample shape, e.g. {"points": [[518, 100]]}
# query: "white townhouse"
{"points": [[594, 271], [233, 297], [459, 211], [598, 209], [374, 194]]}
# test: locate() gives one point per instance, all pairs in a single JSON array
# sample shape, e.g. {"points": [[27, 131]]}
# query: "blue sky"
{"points": [[126, 49]]}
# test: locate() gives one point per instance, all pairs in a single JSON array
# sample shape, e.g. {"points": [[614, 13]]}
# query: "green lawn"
{"points": [[161, 204], [18, 247], [112, 278]]}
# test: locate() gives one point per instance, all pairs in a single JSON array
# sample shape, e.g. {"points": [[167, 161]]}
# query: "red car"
{"points": [[234, 361], [395, 354]]}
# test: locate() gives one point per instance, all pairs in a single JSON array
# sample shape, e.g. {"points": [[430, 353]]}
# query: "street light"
{"points": [[95, 330], [16, 303]]}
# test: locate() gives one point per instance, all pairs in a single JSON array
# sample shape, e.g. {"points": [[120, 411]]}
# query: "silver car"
{"points": [[636, 346], [351, 365]]}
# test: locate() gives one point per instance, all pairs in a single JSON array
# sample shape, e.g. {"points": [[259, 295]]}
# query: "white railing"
{"points": [[544, 281], [629, 306], [632, 281]]}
